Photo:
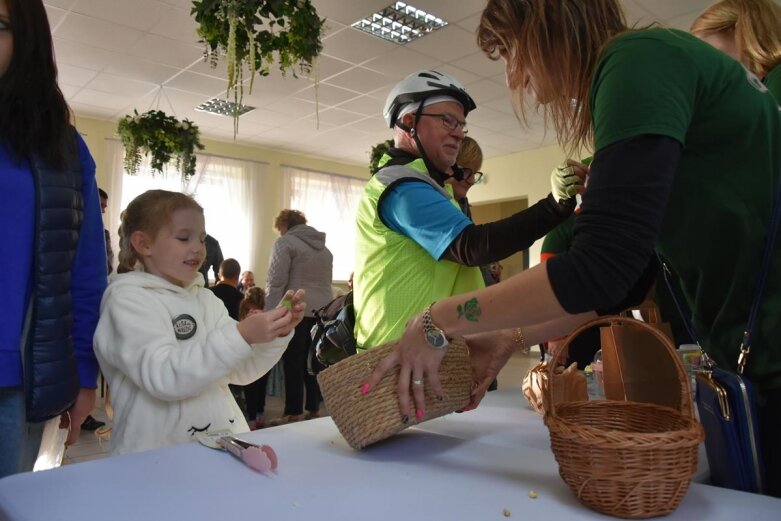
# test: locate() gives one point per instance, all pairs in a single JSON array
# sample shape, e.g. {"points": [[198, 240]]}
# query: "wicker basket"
{"points": [[626, 459], [366, 419]]}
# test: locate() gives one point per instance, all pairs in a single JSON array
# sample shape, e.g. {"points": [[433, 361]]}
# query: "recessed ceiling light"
{"points": [[400, 23], [222, 107]]}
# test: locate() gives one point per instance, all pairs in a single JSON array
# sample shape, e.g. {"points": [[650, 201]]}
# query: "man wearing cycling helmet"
{"points": [[413, 244]]}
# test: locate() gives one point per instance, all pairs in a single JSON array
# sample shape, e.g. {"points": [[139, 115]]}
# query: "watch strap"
{"points": [[428, 322]]}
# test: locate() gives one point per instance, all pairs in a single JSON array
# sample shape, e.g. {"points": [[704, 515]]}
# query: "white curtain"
{"points": [[226, 189], [329, 202]]}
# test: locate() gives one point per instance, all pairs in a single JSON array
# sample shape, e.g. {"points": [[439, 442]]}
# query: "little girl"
{"points": [[168, 347]]}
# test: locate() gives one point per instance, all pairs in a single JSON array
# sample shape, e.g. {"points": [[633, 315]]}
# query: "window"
{"points": [[224, 187], [330, 203]]}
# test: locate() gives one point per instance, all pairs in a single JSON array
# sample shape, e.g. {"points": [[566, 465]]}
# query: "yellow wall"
{"points": [[523, 174], [514, 176], [95, 132]]}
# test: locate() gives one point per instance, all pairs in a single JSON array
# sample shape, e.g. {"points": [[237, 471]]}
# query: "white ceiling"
{"points": [[118, 55]]}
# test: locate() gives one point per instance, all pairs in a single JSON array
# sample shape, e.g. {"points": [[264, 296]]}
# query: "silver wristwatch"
{"points": [[435, 337]]}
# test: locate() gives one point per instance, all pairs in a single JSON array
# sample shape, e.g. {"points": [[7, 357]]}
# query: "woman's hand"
{"points": [[419, 366], [558, 345], [488, 353]]}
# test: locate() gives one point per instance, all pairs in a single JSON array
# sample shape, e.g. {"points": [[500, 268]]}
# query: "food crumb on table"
{"points": [[506, 512], [533, 494]]}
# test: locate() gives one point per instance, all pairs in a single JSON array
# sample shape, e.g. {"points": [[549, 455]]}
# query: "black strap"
{"points": [[759, 290]]}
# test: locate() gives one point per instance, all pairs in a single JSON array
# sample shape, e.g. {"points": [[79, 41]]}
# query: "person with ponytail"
{"points": [[166, 345], [54, 255]]}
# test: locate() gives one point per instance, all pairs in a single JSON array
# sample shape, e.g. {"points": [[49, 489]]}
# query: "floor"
{"points": [[95, 445]]}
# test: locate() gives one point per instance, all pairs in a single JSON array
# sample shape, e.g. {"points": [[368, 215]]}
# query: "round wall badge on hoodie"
{"points": [[184, 326]]}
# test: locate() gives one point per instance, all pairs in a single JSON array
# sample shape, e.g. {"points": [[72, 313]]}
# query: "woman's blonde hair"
{"points": [[470, 152], [757, 28], [289, 218], [148, 213], [559, 42], [254, 298]]}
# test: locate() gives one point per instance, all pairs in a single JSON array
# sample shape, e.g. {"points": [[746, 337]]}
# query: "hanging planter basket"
{"points": [[378, 150], [164, 138], [250, 33]]}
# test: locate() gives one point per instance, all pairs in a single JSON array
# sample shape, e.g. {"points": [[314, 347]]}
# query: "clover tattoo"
{"points": [[470, 310]]}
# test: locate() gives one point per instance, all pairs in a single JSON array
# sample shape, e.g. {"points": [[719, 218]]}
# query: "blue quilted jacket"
{"points": [[57, 300]]}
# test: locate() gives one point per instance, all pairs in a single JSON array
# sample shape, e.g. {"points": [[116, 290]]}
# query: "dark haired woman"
{"points": [[54, 258]]}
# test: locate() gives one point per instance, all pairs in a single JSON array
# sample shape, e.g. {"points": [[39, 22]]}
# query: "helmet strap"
{"points": [[433, 171]]}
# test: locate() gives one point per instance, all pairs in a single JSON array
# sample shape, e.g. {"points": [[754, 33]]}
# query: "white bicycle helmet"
{"points": [[421, 85]]}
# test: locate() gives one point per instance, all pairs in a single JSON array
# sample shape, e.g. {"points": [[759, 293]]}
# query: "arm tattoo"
{"points": [[470, 310]]}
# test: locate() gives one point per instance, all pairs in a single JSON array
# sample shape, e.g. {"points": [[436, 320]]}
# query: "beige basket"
{"points": [[366, 419], [626, 459]]}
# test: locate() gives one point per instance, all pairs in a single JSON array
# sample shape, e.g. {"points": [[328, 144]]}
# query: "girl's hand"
{"points": [[419, 366], [264, 326], [293, 302]]}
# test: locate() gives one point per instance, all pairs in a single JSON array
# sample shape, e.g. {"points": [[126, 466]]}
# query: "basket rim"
{"points": [[686, 406], [594, 436]]}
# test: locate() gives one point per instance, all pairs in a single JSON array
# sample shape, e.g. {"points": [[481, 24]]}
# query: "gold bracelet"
{"points": [[521, 341]]}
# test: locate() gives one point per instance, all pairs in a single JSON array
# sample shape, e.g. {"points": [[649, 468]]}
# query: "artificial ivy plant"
{"points": [[378, 151], [250, 33], [163, 137]]}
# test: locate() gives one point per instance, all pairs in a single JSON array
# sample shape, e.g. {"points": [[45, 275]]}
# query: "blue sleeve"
{"points": [[88, 274], [421, 213]]}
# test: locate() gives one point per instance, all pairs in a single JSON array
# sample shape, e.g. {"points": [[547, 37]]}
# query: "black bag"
{"points": [[333, 338]]}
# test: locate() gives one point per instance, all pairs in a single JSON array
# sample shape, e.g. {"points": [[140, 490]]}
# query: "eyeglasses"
{"points": [[448, 121], [469, 173]]}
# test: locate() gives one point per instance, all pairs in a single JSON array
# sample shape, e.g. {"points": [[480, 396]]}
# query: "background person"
{"points": [[246, 281], [168, 347], [750, 32], [212, 261], [226, 289], [470, 163], [689, 113], [255, 392], [106, 233], [299, 259], [231, 297], [54, 259]]}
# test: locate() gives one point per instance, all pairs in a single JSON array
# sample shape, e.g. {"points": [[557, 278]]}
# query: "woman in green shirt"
{"points": [[687, 163]]}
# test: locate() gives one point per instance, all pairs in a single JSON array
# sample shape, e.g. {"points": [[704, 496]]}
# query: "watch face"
{"points": [[436, 339]]}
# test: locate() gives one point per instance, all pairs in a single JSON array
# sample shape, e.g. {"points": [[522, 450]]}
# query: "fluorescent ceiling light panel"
{"points": [[400, 23], [222, 107]]}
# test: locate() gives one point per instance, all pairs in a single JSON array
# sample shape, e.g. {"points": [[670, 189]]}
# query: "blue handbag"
{"points": [[726, 406], [726, 401]]}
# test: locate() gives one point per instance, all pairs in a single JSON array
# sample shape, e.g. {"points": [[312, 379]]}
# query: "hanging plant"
{"points": [[250, 32], [161, 136], [378, 151]]}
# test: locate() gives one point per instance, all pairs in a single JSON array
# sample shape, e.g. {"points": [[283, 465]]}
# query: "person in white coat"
{"points": [[165, 344]]}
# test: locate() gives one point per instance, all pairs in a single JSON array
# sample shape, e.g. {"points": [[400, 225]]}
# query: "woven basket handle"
{"points": [[686, 403]]}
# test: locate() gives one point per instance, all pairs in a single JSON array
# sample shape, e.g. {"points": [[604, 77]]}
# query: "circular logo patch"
{"points": [[184, 326]]}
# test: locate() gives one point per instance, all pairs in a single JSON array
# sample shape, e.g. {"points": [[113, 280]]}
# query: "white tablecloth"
{"points": [[469, 466]]}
